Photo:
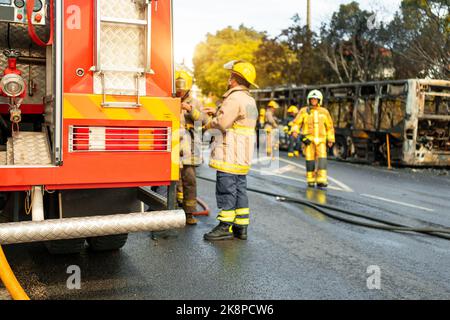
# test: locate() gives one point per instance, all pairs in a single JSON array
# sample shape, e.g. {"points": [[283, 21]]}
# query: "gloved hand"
{"points": [[306, 141], [286, 129]]}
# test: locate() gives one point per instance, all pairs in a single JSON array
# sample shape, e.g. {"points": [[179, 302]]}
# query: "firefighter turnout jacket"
{"points": [[315, 124], [191, 133], [317, 129], [234, 141], [271, 122]]}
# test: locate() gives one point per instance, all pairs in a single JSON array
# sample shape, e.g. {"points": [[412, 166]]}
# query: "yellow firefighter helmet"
{"points": [[293, 109], [315, 94], [244, 69], [183, 80], [273, 104], [262, 116]]}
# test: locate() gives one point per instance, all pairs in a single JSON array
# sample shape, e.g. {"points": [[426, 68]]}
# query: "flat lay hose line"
{"points": [[385, 224]]}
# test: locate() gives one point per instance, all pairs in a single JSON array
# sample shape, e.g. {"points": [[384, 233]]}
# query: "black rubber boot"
{"points": [[322, 185], [311, 185], [240, 232], [224, 231]]}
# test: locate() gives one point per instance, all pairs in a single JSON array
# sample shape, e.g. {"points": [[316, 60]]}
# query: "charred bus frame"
{"points": [[414, 114]]}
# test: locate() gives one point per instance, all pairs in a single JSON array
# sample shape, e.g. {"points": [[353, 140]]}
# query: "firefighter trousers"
{"points": [[317, 152], [232, 199], [187, 189], [294, 144]]}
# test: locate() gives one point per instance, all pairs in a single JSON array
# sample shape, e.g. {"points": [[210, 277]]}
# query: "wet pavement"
{"points": [[292, 252]]}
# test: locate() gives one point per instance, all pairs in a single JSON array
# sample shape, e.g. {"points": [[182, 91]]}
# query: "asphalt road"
{"points": [[292, 252]]}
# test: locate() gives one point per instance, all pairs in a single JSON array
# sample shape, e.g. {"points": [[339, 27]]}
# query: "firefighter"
{"points": [[260, 126], [271, 124], [317, 133], [262, 118], [293, 132], [190, 152], [232, 152]]}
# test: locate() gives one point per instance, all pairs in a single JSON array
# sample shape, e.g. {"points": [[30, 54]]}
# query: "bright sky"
{"points": [[193, 19]]}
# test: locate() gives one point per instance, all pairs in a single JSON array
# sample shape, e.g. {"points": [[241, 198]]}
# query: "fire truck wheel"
{"points": [[107, 243], [71, 246]]}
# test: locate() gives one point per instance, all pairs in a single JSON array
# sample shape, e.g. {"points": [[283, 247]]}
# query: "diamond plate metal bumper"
{"points": [[72, 228]]}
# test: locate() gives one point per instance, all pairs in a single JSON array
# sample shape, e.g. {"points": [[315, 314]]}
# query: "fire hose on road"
{"points": [[381, 225], [205, 211], [9, 279]]}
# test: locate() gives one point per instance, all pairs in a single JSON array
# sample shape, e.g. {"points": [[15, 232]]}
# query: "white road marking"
{"points": [[397, 202], [271, 173], [342, 186], [285, 169]]}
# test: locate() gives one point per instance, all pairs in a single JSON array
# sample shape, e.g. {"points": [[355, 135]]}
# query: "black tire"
{"points": [[340, 149], [107, 243], [71, 246]]}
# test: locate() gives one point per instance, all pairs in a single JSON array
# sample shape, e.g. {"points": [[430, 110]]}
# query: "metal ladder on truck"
{"points": [[135, 29]]}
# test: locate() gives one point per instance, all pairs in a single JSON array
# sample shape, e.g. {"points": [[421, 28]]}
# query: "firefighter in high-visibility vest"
{"points": [[292, 130], [232, 152], [190, 145], [270, 125], [317, 131]]}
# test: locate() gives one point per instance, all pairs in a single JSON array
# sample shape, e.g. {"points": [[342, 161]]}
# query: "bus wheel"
{"points": [[71, 246], [340, 149], [107, 243]]}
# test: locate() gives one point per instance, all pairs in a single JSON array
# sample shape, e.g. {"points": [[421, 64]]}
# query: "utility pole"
{"points": [[307, 50], [308, 14]]}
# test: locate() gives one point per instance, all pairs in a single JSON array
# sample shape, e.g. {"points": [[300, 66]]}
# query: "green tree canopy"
{"points": [[419, 37], [352, 47]]}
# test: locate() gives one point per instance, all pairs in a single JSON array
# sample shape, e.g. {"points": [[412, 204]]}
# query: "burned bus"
{"points": [[411, 118]]}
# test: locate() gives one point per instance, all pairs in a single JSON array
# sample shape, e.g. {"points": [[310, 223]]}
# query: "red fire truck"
{"points": [[89, 121]]}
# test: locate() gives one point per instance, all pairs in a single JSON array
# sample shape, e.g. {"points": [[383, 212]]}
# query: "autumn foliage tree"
{"points": [[226, 45], [350, 47]]}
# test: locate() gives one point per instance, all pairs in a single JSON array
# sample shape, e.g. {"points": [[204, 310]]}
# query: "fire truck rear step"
{"points": [[27, 149]]}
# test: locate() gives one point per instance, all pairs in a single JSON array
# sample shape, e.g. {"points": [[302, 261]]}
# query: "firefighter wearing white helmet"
{"points": [[232, 152], [317, 130], [190, 144]]}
